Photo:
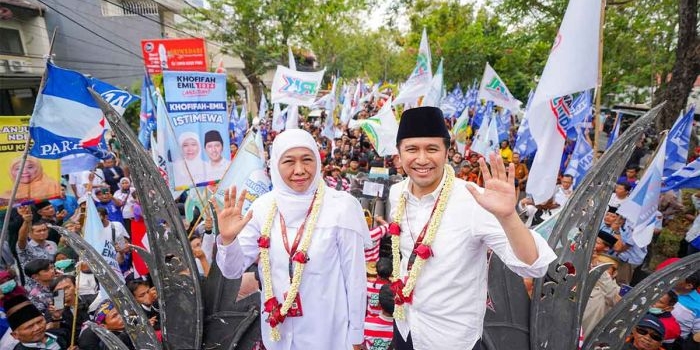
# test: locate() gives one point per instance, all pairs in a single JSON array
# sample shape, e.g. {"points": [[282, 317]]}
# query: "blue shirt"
{"points": [[114, 213]]}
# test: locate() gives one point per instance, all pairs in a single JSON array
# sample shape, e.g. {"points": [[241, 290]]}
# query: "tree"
{"points": [[686, 67], [258, 31]]}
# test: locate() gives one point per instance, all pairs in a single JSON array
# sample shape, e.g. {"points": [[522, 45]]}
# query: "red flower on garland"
{"points": [[423, 251], [399, 298], [300, 257], [275, 317], [394, 229], [264, 242], [271, 304]]}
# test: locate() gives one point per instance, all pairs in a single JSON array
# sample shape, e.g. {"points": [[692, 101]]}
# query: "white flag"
{"points": [[292, 121], [572, 67], [278, 117], [494, 89], [345, 111], [292, 62], [295, 88], [262, 110], [418, 83], [640, 209], [381, 130], [435, 93]]}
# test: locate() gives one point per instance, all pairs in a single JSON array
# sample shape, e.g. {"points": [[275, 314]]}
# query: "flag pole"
{"points": [[15, 186], [599, 86]]}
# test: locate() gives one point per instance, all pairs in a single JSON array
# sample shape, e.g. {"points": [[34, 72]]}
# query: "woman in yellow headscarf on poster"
{"points": [[34, 183]]}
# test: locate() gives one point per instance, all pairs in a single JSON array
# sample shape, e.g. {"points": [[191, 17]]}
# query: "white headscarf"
{"points": [[293, 205]]}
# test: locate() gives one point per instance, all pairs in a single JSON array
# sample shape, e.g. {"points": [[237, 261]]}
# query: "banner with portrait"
{"points": [[41, 178], [199, 147]]}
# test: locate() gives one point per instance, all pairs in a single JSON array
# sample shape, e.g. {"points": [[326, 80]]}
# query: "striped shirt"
{"points": [[379, 331], [375, 235], [373, 287], [333, 183]]}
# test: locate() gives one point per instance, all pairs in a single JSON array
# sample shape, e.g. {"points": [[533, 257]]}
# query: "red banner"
{"points": [[174, 54]]}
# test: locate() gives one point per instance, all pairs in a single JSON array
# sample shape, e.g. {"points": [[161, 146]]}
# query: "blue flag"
{"points": [[525, 144], [147, 116], [579, 113], [118, 98], [581, 159], [503, 125], [640, 209], [66, 119], [686, 177], [233, 117], [241, 126], [677, 143], [615, 133]]}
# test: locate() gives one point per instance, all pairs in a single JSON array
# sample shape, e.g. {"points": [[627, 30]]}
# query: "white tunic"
{"points": [[449, 300], [333, 285]]}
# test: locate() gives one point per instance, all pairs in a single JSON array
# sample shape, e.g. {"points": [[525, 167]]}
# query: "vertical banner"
{"points": [[40, 178], [196, 106]]}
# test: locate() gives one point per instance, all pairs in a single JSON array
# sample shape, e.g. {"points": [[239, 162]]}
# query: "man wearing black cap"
{"points": [[214, 146], [443, 229], [646, 335], [29, 326]]}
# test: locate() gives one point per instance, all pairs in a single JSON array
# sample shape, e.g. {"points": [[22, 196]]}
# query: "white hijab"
{"points": [[293, 205]]}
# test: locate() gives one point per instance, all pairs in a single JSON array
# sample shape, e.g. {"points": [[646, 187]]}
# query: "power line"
{"points": [[88, 29]]}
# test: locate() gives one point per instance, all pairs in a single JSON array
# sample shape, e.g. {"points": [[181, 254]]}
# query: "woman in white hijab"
{"points": [[191, 162], [309, 240]]}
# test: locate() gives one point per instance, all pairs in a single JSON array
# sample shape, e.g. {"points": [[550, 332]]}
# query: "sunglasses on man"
{"points": [[652, 334]]}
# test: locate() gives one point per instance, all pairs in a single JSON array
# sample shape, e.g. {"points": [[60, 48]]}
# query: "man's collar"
{"points": [[433, 195]]}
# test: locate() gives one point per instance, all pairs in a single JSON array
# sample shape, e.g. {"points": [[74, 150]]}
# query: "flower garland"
{"points": [[404, 291], [278, 312]]}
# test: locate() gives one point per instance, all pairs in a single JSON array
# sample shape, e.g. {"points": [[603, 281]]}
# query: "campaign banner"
{"points": [[295, 88], [40, 178], [187, 54], [199, 146]]}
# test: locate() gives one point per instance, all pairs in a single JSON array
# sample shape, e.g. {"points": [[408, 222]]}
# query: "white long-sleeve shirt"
{"points": [[449, 300], [333, 285]]}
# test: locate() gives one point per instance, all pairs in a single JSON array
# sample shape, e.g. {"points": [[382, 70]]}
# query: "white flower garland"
{"points": [[406, 289], [279, 312]]}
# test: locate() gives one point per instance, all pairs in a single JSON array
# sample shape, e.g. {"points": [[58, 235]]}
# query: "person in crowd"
{"points": [[48, 214], [67, 201], [379, 328], [605, 294], [670, 205], [662, 309], [382, 276], [335, 179], [564, 190], [621, 193], [33, 182], [687, 309], [300, 226], [604, 243], [216, 166], [40, 272], [506, 152], [453, 252], [536, 214], [29, 327], [142, 293], [33, 242], [456, 162], [113, 172], [80, 181], [63, 318], [106, 316], [646, 335], [106, 201], [125, 199], [199, 250], [691, 236], [630, 176], [521, 173]]}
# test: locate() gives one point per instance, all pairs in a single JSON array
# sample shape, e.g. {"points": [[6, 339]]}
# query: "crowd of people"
{"points": [[47, 290]]}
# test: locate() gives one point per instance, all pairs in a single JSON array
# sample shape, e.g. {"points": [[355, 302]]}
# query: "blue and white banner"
{"points": [[118, 98], [640, 209], [615, 133], [581, 159], [147, 115], [247, 171], [66, 118], [297, 88], [196, 106], [94, 234], [678, 142], [686, 177]]}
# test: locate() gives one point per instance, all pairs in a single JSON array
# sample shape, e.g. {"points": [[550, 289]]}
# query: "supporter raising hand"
{"points": [[230, 217]]}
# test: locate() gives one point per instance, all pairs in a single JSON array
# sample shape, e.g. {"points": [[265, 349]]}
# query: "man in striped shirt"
{"points": [[374, 285]]}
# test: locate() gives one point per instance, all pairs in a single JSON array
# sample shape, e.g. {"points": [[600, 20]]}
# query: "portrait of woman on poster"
{"points": [[33, 182]]}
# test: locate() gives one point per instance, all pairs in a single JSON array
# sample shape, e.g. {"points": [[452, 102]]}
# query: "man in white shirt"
{"points": [[564, 190], [445, 309]]}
